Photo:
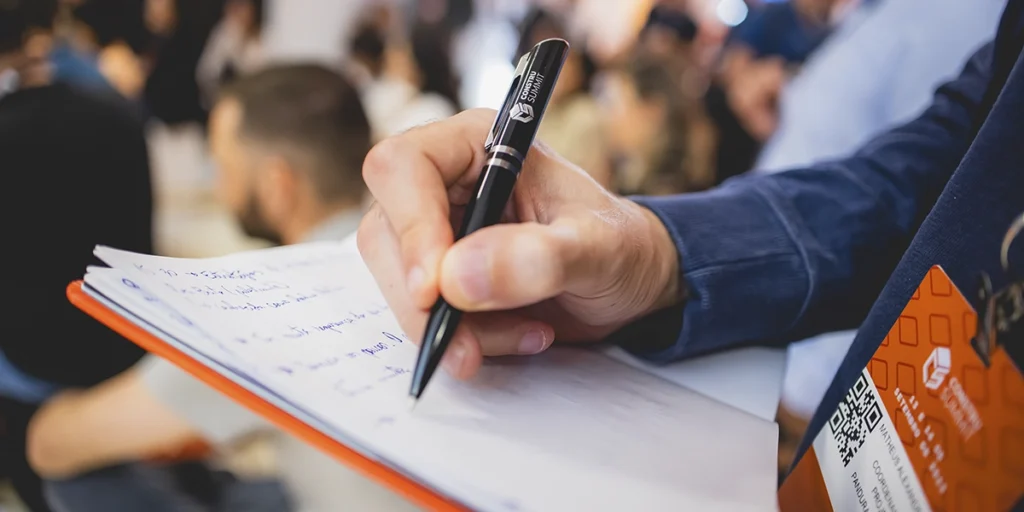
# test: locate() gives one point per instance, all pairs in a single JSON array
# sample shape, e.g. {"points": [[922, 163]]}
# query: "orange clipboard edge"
{"points": [[411, 490]]}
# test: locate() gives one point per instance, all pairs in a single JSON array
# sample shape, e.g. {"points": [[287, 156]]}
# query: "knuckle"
{"points": [[380, 160]]}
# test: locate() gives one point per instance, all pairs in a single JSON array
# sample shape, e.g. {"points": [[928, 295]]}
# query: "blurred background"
{"points": [[168, 57], [657, 96]]}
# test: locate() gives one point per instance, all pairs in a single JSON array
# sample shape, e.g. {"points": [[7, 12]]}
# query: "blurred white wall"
{"points": [[609, 25], [310, 29]]}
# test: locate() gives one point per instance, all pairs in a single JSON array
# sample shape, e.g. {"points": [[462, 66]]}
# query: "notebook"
{"points": [[306, 329]]}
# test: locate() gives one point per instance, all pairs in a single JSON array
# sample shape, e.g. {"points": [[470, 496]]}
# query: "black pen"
{"points": [[507, 145]]}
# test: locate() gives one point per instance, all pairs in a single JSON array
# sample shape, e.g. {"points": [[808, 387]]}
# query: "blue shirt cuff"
{"points": [[745, 278]]}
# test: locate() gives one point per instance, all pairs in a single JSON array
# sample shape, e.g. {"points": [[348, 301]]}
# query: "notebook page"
{"points": [[118, 290], [749, 378], [569, 429]]}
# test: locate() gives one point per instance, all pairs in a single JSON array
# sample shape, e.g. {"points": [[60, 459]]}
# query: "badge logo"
{"points": [[522, 112], [936, 368]]}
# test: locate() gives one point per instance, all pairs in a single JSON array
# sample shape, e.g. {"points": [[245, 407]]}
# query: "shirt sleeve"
{"points": [[776, 258], [219, 419]]}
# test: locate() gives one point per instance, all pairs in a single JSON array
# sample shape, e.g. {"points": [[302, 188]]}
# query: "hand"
{"points": [[572, 262], [123, 69], [240, 16], [754, 96]]}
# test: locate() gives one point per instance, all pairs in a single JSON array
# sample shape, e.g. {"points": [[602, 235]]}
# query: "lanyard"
{"points": [[1001, 313]]}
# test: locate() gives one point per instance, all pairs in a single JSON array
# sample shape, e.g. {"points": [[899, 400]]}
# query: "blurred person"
{"points": [[289, 142], [572, 122], [406, 84], [79, 177], [789, 30], [668, 32], [770, 44], [455, 13], [112, 34], [367, 55], [178, 30], [874, 72], [763, 259], [660, 139], [234, 47], [74, 56]]}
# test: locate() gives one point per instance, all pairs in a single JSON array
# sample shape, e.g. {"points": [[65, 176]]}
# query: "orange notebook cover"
{"points": [[411, 490]]}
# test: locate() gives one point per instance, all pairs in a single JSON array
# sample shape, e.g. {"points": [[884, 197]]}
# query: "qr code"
{"points": [[857, 416]]}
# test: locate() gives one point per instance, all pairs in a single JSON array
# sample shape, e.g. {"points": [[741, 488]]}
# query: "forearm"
{"points": [[776, 258], [79, 431]]}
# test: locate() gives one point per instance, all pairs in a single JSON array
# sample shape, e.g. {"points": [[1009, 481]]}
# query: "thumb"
{"points": [[508, 266]]}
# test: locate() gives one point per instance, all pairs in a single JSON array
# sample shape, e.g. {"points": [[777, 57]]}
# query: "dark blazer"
{"points": [[776, 258]]}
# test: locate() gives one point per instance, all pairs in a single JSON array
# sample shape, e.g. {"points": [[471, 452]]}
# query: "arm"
{"points": [[224, 41], [808, 250], [119, 420], [152, 410]]}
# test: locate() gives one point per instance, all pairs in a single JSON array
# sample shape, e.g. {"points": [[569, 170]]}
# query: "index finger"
{"points": [[409, 175]]}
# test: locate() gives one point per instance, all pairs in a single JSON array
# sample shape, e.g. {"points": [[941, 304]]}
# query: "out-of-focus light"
{"points": [[490, 85], [731, 12]]}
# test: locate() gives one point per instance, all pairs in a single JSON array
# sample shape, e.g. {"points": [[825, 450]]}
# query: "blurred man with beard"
{"points": [[289, 143]]}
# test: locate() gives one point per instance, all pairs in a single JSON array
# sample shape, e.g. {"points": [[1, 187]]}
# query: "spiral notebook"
{"points": [[302, 336]]}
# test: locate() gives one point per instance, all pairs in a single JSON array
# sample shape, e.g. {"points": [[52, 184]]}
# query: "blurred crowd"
{"points": [[95, 93]]}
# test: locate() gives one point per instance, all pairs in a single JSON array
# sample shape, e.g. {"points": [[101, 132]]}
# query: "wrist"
{"points": [[660, 265]]}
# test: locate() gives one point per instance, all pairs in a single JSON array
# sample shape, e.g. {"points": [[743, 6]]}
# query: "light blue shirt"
{"points": [[879, 69], [17, 385]]}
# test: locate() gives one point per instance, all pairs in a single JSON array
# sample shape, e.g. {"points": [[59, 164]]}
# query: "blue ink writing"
{"points": [[379, 347], [394, 338], [244, 275], [332, 361]]}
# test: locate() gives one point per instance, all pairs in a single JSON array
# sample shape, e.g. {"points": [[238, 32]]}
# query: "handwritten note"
{"points": [[571, 429], [312, 317]]}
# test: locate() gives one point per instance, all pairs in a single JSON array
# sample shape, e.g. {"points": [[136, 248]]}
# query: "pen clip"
{"points": [[513, 90]]}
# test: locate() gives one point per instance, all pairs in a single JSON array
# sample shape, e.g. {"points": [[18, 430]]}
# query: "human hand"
{"points": [[754, 96], [570, 261], [123, 69], [240, 16]]}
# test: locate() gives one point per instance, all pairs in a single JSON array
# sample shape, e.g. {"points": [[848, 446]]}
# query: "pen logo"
{"points": [[522, 112], [936, 368]]}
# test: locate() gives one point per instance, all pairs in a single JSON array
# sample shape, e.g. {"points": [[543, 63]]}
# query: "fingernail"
{"points": [[452, 361], [473, 278], [415, 280], [533, 342]]}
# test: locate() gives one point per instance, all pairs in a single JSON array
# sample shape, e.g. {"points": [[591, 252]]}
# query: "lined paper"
{"points": [[568, 429]]}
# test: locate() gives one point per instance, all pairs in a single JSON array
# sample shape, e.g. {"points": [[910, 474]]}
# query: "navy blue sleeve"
{"points": [[776, 258]]}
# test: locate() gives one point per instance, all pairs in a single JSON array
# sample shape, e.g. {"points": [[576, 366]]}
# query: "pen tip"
{"points": [[412, 403]]}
